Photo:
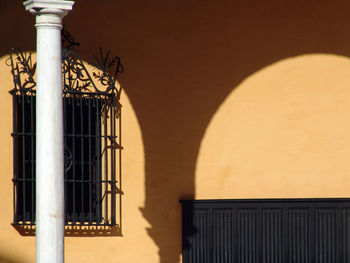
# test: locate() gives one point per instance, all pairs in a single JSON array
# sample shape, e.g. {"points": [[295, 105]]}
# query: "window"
{"points": [[82, 151], [92, 145]]}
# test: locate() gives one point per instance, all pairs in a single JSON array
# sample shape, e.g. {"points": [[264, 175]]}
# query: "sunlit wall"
{"points": [[284, 132]]}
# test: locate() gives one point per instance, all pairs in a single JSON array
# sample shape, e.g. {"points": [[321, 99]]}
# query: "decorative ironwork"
{"points": [[77, 77], [92, 144], [68, 159], [23, 71]]}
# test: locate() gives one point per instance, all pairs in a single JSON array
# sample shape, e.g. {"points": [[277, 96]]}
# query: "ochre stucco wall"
{"points": [[221, 105], [284, 132]]}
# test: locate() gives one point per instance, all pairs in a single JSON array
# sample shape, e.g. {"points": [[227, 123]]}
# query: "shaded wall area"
{"points": [[182, 59], [4, 259]]}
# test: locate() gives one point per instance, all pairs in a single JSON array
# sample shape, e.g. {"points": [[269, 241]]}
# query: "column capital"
{"points": [[56, 7], [49, 13]]}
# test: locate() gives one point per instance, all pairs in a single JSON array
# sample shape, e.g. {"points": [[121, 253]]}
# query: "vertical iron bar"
{"points": [[33, 158], [113, 151], [23, 160], [98, 172], [106, 158], [82, 158], [90, 164], [73, 150], [15, 153], [65, 132], [120, 165]]}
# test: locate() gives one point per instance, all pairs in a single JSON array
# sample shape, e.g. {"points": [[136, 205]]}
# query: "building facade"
{"points": [[221, 100]]}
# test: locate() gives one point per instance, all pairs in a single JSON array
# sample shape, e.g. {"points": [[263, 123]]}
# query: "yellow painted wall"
{"points": [[223, 99], [282, 133]]}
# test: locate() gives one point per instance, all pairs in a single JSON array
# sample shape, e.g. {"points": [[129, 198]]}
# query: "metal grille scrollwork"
{"points": [[92, 141]]}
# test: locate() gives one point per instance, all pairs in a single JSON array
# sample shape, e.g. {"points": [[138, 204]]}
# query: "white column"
{"points": [[49, 130]]}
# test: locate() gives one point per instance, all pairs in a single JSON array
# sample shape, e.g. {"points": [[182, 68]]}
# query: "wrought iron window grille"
{"points": [[92, 142]]}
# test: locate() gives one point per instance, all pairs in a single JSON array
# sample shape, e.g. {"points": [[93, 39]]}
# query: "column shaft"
{"points": [[49, 130], [49, 144]]}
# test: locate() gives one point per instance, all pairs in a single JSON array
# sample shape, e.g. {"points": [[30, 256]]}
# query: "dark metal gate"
{"points": [[266, 231]]}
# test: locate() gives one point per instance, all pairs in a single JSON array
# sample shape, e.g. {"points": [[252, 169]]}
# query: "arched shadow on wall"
{"points": [[182, 59]]}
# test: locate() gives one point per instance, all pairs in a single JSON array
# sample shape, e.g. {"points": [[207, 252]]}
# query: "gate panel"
{"points": [[247, 236], [272, 235], [326, 246], [266, 230], [222, 236], [197, 237], [299, 235]]}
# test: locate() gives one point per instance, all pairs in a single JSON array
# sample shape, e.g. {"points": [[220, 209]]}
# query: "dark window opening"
{"points": [[24, 157], [82, 151], [82, 157], [90, 153]]}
